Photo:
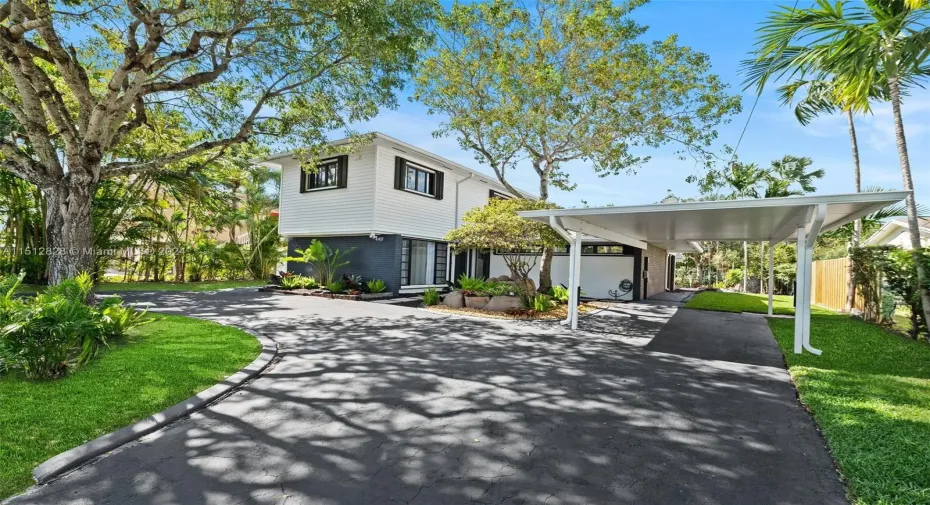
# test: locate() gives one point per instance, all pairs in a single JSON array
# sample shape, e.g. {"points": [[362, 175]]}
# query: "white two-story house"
{"points": [[393, 203]]}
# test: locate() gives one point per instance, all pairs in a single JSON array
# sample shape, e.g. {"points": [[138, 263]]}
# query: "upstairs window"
{"points": [[409, 176], [330, 174], [420, 180]]}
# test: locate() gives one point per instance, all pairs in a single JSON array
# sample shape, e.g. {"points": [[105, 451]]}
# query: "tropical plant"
{"points": [[376, 286], [494, 288], [116, 318], [41, 337], [559, 293], [564, 80], [896, 268], [472, 284], [336, 287], [324, 260], [821, 97], [430, 297], [353, 282], [542, 303], [879, 44], [290, 282]]}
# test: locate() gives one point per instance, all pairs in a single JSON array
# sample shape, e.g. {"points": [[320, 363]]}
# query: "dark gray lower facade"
{"points": [[370, 258]]}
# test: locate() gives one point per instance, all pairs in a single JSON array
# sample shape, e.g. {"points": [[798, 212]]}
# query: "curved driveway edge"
{"points": [[82, 454]]}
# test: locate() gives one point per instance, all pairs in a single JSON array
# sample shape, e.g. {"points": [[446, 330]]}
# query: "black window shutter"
{"points": [[304, 180], [399, 169], [343, 171], [439, 184]]}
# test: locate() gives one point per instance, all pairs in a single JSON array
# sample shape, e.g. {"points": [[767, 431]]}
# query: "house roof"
{"points": [[677, 227], [890, 230], [444, 162]]}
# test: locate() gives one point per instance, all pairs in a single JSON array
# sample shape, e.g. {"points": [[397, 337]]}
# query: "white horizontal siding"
{"points": [[343, 211], [599, 274], [472, 193], [410, 214]]}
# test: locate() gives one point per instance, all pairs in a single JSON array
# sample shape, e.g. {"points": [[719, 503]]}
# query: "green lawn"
{"points": [[740, 302], [121, 287], [160, 364], [870, 394]]}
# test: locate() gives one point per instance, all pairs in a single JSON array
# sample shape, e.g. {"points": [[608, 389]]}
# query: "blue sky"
{"points": [[725, 30]]}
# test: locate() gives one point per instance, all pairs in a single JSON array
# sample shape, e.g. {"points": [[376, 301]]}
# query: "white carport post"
{"points": [[575, 282], [771, 274], [569, 237], [802, 310]]}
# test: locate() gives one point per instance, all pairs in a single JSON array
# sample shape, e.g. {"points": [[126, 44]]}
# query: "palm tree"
{"points": [[883, 43], [822, 98], [744, 179]]}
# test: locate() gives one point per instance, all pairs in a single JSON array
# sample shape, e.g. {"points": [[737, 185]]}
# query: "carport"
{"points": [[678, 227]]}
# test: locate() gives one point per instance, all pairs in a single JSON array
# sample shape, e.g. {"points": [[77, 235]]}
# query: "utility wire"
{"points": [[753, 109]]}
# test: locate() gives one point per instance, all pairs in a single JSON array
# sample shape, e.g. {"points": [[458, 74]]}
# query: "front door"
{"points": [[461, 266]]}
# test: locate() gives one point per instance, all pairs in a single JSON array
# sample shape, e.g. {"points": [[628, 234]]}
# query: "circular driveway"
{"points": [[378, 404]]}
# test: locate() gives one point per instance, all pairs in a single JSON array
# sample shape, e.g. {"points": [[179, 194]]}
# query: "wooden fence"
{"points": [[829, 285]]}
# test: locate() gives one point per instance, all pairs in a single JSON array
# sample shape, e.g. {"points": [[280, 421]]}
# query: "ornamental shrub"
{"points": [[42, 337]]}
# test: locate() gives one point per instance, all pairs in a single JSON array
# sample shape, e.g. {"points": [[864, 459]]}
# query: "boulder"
{"points": [[504, 303], [455, 299], [530, 285], [476, 302]]}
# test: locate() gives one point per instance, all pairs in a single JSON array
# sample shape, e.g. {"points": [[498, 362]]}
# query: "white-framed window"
{"points": [[421, 180]]}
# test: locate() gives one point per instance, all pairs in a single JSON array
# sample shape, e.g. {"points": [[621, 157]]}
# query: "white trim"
{"points": [[882, 197], [323, 188], [419, 288], [575, 224], [485, 178]]}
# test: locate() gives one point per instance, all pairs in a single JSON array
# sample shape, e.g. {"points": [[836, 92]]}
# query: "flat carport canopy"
{"points": [[678, 227]]}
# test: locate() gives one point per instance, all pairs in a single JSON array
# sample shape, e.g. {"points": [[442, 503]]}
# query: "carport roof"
{"points": [[675, 226]]}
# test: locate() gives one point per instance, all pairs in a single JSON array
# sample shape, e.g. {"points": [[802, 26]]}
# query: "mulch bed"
{"points": [[336, 296], [559, 312]]}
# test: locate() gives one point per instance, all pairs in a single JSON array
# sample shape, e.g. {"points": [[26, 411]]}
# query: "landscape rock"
{"points": [[476, 302], [455, 299], [504, 303]]}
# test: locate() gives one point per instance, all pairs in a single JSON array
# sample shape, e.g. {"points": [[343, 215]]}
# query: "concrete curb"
{"points": [[82, 454]]}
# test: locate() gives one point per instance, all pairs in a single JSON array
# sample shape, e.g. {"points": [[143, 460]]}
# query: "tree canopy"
{"points": [[496, 226], [567, 80], [86, 85]]}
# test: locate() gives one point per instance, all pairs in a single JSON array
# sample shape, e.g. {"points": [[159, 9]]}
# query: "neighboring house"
{"points": [[895, 233], [393, 203]]}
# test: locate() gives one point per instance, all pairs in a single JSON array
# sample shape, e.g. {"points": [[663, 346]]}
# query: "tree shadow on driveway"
{"points": [[374, 404]]}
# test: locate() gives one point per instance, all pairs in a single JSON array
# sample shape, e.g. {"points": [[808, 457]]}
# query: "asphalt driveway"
{"points": [[376, 404]]}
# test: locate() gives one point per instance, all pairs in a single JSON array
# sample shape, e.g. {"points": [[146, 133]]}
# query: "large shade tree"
{"points": [[565, 80], [81, 81], [882, 44]]}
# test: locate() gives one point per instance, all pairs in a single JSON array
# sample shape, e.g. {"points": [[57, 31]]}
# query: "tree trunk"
{"points": [[857, 227], [745, 265], [69, 230], [912, 222], [545, 263]]}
